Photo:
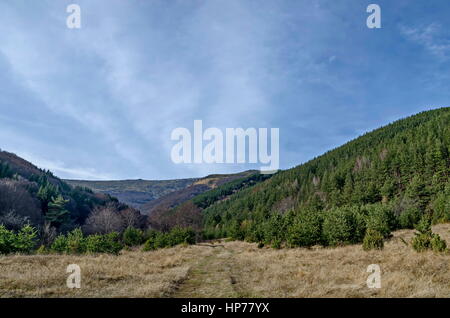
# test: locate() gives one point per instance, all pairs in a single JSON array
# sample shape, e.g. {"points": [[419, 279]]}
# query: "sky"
{"points": [[100, 102]]}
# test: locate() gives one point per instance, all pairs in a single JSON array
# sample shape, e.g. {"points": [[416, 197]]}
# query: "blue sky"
{"points": [[100, 102]]}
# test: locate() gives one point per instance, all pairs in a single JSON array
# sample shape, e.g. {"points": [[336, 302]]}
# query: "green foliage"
{"points": [[176, 236], [441, 206], [21, 242], [306, 230], [106, 243], [5, 170], [388, 178], [208, 198], [339, 227], [410, 217], [373, 240], [421, 242], [133, 237], [6, 240], [381, 219], [425, 239], [59, 245], [437, 244], [76, 243], [57, 214], [25, 239], [46, 193], [42, 250]]}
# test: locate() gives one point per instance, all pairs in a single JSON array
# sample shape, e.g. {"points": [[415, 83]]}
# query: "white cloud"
{"points": [[432, 37]]}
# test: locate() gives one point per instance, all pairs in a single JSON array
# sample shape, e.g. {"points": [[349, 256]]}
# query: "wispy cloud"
{"points": [[433, 37], [108, 95]]}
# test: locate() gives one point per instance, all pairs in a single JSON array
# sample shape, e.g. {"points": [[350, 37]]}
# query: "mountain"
{"points": [[135, 193], [32, 195], [183, 207], [402, 168]]}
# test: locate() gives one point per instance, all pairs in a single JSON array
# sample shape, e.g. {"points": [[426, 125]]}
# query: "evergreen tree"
{"points": [[57, 214]]}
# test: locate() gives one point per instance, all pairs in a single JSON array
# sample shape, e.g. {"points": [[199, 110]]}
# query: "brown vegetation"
{"points": [[235, 269]]}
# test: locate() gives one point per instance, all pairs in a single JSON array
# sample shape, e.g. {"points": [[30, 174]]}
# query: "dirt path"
{"points": [[211, 276]]}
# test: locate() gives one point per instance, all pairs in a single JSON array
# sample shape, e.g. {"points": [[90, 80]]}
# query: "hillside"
{"points": [[184, 207], [135, 193], [32, 195], [401, 169]]}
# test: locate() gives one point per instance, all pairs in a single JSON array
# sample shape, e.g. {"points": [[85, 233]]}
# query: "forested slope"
{"points": [[32, 195], [400, 171]]}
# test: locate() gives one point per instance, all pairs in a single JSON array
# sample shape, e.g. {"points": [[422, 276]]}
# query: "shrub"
{"points": [[274, 229], [132, 237], [179, 235], [20, 242], [338, 226], [373, 240], [441, 207], [380, 219], [421, 242], [6, 240], [94, 243], [110, 243], [176, 236], [25, 239], [149, 245], [425, 239], [438, 244], [409, 217], [76, 243], [276, 243], [42, 250], [59, 245], [306, 230]]}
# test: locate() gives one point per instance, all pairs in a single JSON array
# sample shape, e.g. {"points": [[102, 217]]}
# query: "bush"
{"points": [[276, 244], [409, 217], [76, 243], [339, 227], [174, 237], [306, 230], [25, 239], [42, 250], [373, 240], [6, 240], [132, 237], [274, 230], [149, 245], [425, 239], [421, 242], [179, 235], [59, 245], [438, 244], [110, 243], [380, 219], [20, 242], [441, 207]]}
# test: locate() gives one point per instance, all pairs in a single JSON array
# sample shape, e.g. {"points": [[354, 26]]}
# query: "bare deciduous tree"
{"points": [[104, 220], [17, 206], [131, 218]]}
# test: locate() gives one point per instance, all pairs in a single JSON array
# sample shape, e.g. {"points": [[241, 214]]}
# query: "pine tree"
{"points": [[46, 193], [57, 214]]}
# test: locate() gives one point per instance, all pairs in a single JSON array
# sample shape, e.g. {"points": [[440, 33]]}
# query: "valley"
{"points": [[235, 269]]}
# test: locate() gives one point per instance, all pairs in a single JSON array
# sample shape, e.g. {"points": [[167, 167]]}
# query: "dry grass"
{"points": [[235, 269]]}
